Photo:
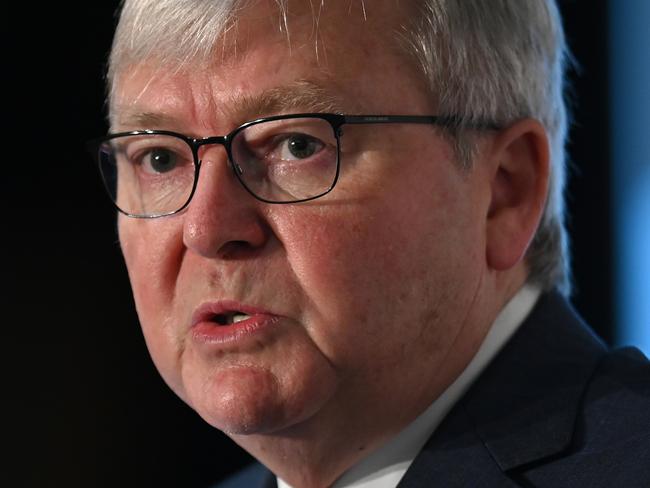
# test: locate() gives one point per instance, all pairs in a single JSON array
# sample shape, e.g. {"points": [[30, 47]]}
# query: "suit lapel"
{"points": [[454, 457], [521, 410]]}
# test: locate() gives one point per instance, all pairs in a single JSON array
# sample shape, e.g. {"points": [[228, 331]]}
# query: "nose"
{"points": [[223, 220]]}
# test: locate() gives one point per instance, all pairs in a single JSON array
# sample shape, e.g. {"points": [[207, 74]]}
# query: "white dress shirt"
{"points": [[386, 466]]}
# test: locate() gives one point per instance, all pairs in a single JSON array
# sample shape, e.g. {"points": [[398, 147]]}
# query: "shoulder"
{"points": [[559, 408], [617, 400], [626, 367], [253, 476], [611, 440]]}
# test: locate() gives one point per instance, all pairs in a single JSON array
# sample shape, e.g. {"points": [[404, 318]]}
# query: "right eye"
{"points": [[158, 160], [159, 156]]}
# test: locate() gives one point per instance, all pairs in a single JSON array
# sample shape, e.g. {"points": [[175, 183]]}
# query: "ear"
{"points": [[519, 186]]}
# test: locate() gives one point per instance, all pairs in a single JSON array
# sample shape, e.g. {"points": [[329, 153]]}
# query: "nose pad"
{"points": [[213, 172], [218, 159], [238, 169]]}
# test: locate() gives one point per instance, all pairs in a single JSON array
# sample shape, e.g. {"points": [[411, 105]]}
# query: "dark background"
{"points": [[86, 406]]}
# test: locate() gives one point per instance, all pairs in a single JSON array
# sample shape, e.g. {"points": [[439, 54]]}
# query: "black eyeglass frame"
{"points": [[336, 121]]}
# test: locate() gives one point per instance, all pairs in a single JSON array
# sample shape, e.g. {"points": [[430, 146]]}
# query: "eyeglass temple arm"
{"points": [[445, 121]]}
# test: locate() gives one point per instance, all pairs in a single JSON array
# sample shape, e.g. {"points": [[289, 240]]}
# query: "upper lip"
{"points": [[210, 310]]}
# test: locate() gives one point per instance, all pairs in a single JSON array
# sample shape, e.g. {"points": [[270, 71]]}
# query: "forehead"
{"points": [[330, 57]]}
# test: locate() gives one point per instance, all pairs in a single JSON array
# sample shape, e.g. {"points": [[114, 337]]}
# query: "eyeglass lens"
{"points": [[282, 160]]}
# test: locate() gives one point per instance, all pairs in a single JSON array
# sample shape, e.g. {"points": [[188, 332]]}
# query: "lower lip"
{"points": [[212, 333]]}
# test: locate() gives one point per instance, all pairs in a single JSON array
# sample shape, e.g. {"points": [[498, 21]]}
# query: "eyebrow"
{"points": [[301, 95], [145, 120]]}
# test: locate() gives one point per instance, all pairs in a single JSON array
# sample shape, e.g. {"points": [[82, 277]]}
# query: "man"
{"points": [[343, 226]]}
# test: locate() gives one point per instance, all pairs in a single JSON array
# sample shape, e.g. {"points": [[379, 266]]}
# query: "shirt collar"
{"points": [[387, 465]]}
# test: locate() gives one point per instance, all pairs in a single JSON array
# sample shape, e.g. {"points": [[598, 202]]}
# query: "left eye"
{"points": [[299, 146]]}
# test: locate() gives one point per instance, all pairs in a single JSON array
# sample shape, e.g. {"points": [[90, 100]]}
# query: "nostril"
{"points": [[238, 249]]}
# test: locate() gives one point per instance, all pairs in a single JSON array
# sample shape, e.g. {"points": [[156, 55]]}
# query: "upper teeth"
{"points": [[238, 317]]}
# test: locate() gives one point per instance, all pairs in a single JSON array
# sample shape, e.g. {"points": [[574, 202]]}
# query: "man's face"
{"points": [[359, 302]]}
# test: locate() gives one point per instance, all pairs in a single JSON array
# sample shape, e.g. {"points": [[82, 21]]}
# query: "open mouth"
{"points": [[229, 318], [227, 321]]}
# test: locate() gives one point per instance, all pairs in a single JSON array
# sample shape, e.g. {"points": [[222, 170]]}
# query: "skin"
{"points": [[385, 287]]}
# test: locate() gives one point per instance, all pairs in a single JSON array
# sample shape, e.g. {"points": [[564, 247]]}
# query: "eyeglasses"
{"points": [[280, 159]]}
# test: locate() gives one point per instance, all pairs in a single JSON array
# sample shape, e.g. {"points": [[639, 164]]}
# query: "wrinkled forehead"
{"points": [[324, 32]]}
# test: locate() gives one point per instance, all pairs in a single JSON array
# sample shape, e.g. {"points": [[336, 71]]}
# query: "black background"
{"points": [[85, 404]]}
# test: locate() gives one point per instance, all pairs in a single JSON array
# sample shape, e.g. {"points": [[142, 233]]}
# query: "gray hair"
{"points": [[485, 60]]}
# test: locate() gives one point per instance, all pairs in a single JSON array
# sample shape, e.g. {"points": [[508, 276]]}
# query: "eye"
{"points": [[298, 146], [159, 160]]}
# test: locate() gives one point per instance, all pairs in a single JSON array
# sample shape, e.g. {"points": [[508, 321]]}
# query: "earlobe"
{"points": [[519, 187]]}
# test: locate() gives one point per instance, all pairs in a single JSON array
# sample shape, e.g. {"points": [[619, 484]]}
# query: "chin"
{"points": [[247, 400], [237, 400]]}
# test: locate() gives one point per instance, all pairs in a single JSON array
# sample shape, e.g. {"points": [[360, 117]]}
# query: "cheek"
{"points": [[152, 253], [373, 267]]}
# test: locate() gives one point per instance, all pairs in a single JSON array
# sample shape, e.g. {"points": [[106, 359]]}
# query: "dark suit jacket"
{"points": [[555, 409]]}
